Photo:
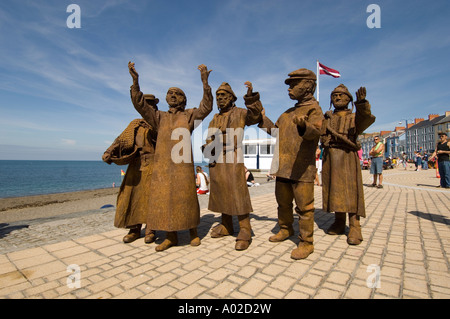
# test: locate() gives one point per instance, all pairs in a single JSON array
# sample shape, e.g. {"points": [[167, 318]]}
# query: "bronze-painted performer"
{"points": [[134, 147], [173, 195], [342, 189], [294, 164], [228, 188]]}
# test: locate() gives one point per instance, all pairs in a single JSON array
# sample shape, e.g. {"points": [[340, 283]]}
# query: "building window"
{"points": [[250, 149], [265, 149]]}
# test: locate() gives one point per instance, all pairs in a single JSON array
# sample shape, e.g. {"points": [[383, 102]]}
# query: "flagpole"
{"points": [[317, 70]]}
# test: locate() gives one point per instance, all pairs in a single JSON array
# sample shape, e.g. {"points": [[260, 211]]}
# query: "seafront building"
{"points": [[420, 135]]}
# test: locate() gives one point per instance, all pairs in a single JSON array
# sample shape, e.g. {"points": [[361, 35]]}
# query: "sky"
{"points": [[64, 92]]}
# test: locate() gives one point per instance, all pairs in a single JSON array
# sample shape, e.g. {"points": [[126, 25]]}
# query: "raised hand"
{"points": [[133, 71], [361, 94], [204, 73], [249, 86]]}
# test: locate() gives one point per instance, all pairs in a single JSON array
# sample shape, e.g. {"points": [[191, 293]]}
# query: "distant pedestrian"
{"points": [[442, 153], [376, 168], [425, 161], [418, 161], [404, 160]]}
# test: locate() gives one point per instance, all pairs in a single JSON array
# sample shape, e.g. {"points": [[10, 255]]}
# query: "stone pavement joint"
{"points": [[404, 253]]}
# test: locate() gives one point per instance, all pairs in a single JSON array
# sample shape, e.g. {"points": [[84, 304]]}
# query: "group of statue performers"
{"points": [[160, 191]]}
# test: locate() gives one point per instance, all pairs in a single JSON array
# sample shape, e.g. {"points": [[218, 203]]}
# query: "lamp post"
{"points": [[408, 142]]}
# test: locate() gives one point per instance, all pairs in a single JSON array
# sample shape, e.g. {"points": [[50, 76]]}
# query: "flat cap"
{"points": [[301, 74]]}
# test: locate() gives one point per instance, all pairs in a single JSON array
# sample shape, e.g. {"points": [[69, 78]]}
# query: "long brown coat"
{"points": [[294, 156], [228, 187], [135, 146], [173, 196], [342, 188]]}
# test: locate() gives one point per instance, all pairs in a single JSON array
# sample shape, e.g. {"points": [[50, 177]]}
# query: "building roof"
{"points": [[444, 120], [426, 123]]}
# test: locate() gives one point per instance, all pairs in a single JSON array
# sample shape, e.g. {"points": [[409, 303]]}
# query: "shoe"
{"points": [[195, 240], [338, 227], [171, 240], [132, 235], [242, 244], [283, 234], [303, 250], [221, 231], [150, 238], [354, 236], [380, 186]]}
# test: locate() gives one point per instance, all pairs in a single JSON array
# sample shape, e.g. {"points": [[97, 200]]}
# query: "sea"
{"points": [[27, 177]]}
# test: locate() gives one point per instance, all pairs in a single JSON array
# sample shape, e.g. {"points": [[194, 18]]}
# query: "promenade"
{"points": [[404, 255]]}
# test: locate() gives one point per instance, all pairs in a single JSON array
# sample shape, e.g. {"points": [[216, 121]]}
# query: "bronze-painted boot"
{"points": [[338, 227], [195, 240], [133, 234], [150, 236], [285, 220], [223, 229], [171, 240], [306, 228], [244, 237], [354, 235]]}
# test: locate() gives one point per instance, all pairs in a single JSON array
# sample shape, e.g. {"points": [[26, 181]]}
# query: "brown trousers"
{"points": [[286, 191]]}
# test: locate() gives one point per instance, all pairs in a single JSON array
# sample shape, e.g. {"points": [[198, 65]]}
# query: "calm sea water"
{"points": [[25, 178]]}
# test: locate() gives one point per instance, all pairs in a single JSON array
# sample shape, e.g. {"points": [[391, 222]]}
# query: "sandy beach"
{"points": [[43, 206], [15, 209]]}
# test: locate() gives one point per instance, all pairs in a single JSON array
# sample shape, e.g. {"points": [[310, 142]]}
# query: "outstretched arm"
{"points": [[206, 104], [137, 97]]}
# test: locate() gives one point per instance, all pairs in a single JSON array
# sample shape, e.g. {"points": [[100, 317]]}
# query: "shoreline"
{"points": [[24, 208]]}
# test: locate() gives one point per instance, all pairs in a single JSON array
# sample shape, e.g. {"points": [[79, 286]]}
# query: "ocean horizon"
{"points": [[20, 178]]}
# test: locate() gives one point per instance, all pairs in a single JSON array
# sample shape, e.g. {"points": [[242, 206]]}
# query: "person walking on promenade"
{"points": [[442, 153], [294, 163], [342, 187], [173, 193], [376, 168], [134, 147], [229, 192], [404, 161]]}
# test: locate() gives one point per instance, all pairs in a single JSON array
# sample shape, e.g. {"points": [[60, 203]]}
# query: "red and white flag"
{"points": [[329, 71]]}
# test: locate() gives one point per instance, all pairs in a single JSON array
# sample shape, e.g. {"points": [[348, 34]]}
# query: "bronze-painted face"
{"points": [[299, 89], [224, 99], [340, 100], [175, 98]]}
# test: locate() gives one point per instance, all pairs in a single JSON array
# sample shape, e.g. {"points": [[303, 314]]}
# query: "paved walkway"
{"points": [[405, 253]]}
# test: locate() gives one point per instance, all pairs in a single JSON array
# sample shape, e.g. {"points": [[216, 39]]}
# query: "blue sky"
{"points": [[64, 93]]}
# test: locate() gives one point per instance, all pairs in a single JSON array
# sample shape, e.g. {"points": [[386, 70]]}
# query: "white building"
{"points": [[258, 153]]}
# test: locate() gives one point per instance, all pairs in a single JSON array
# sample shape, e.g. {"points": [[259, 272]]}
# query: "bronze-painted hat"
{"points": [[341, 88], [151, 97], [301, 74], [227, 88]]}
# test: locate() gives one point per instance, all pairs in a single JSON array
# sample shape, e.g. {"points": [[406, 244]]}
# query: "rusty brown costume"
{"points": [[134, 147], [173, 195], [294, 164], [229, 193], [342, 188]]}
